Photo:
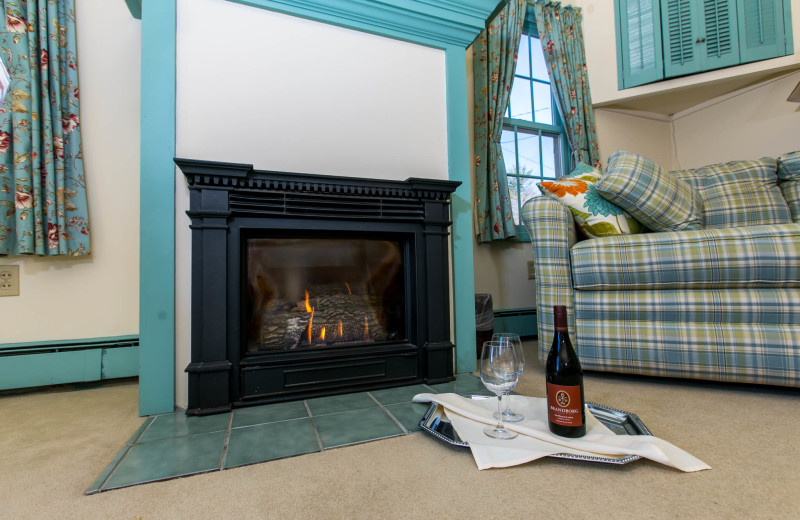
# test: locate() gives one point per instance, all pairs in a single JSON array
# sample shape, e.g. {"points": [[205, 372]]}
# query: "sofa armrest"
{"points": [[553, 234]]}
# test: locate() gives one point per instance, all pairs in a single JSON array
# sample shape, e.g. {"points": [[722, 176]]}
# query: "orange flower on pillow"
{"points": [[565, 186]]}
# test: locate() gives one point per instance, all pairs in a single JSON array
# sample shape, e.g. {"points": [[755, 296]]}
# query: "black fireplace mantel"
{"points": [[230, 202]]}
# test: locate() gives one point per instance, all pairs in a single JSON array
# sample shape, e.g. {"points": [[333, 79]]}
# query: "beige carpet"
{"points": [[53, 444]]}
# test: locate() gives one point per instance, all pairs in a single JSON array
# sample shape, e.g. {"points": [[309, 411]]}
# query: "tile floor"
{"points": [[174, 445]]}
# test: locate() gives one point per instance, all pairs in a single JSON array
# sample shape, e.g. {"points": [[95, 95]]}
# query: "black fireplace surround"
{"points": [[232, 205]]}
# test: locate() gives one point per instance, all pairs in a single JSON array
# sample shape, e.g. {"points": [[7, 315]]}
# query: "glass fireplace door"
{"points": [[312, 293]]}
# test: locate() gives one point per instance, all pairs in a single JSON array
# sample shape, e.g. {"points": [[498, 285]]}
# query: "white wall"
{"points": [[641, 134], [95, 296], [288, 94], [753, 123]]}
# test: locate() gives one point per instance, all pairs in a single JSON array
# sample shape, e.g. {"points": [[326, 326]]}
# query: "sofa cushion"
{"points": [[656, 199], [791, 192], [789, 166], [753, 256], [593, 214], [789, 175], [739, 193]]}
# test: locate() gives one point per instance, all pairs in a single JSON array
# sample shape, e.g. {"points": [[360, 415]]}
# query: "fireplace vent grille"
{"points": [[312, 205]]}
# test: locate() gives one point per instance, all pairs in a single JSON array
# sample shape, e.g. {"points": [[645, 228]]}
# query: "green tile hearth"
{"points": [[175, 445], [286, 439], [355, 426]]}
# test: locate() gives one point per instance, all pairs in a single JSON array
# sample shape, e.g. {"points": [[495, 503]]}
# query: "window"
{"points": [[533, 140]]}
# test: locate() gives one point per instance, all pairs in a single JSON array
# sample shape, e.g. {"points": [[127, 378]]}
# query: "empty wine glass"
{"points": [[499, 374], [516, 344]]}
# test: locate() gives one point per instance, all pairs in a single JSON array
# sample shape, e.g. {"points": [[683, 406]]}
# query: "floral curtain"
{"points": [[495, 57], [43, 208], [561, 34]]}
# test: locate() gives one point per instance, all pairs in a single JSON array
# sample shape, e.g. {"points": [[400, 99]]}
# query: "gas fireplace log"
{"points": [[345, 318]]}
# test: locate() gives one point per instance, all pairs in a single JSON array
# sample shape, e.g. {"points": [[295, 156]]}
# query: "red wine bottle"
{"points": [[565, 404]]}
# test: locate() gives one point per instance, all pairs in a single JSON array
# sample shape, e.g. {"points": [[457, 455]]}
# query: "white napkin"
{"points": [[469, 416]]}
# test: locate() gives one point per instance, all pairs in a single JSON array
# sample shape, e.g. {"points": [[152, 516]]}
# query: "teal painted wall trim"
{"points": [[523, 321], [157, 209], [33, 364], [135, 7], [30, 346], [426, 22], [461, 208]]}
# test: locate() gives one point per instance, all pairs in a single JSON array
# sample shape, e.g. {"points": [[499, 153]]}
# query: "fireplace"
{"points": [[310, 285]]}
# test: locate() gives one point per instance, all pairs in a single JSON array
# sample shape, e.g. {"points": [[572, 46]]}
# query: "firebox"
{"points": [[311, 285]]}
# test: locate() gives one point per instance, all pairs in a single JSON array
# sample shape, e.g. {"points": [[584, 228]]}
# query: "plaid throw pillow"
{"points": [[595, 216], [739, 193], [655, 198], [789, 175], [789, 166]]}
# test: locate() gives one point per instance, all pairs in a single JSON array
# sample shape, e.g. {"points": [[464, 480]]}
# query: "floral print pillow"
{"points": [[595, 216]]}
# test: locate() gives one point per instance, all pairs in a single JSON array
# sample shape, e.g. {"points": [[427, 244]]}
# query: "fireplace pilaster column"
{"points": [[210, 367], [209, 371], [438, 348]]}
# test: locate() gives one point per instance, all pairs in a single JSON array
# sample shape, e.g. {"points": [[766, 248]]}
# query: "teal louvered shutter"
{"points": [[720, 42], [639, 40], [762, 29], [699, 35], [679, 21]]}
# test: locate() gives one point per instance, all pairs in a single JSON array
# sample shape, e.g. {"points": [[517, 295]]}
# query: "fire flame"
{"points": [[310, 309], [348, 288], [366, 328], [341, 329], [322, 334]]}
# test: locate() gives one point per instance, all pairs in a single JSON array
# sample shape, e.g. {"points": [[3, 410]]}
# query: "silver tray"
{"points": [[620, 422]]}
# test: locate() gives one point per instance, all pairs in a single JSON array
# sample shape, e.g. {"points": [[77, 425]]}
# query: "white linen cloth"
{"points": [[469, 416]]}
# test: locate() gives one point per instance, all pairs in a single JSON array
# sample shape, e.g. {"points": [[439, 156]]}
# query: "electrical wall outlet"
{"points": [[9, 280], [531, 271]]}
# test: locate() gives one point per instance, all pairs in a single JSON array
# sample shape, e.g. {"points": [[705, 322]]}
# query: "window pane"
{"points": [[521, 100], [509, 153], [537, 57], [528, 189], [549, 157], [542, 102], [523, 65], [529, 154], [513, 190]]}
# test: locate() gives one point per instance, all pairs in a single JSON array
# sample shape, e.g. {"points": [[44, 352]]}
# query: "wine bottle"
{"points": [[565, 404]]}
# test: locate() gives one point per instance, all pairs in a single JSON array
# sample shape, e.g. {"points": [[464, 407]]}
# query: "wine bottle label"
{"points": [[564, 405]]}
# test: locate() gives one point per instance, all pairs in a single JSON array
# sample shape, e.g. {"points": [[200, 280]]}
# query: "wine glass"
{"points": [[516, 343], [499, 374]]}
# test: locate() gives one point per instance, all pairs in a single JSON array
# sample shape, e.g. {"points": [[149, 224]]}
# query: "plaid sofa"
{"points": [[720, 303]]}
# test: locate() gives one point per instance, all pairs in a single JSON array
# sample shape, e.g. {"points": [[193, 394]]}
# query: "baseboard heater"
{"points": [[24, 365], [522, 321]]}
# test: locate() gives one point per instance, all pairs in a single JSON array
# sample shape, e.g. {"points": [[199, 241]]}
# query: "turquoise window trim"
{"points": [[449, 25], [434, 24], [461, 209], [157, 209]]}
